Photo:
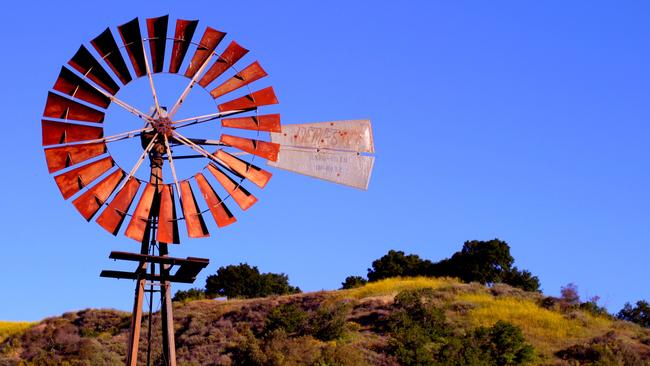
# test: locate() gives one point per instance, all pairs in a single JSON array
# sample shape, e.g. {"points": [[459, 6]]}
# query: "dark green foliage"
{"points": [[247, 282], [289, 318], [639, 314], [502, 344], [353, 282], [592, 307], [486, 262], [189, 295], [521, 279], [328, 322], [414, 326], [396, 263]]}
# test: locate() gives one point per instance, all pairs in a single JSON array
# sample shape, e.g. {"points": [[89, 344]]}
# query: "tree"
{"points": [[245, 281], [521, 279], [353, 282], [188, 295], [479, 261], [395, 264], [569, 297], [639, 314]]}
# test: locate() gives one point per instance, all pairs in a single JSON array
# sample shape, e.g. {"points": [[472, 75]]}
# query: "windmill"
{"points": [[150, 211]]}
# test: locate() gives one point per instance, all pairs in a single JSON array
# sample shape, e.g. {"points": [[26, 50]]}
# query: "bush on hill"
{"points": [[353, 282], [486, 262], [247, 282], [639, 314]]}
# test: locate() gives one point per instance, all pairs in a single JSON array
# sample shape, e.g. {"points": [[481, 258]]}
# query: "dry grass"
{"points": [[547, 330], [10, 328], [392, 286]]}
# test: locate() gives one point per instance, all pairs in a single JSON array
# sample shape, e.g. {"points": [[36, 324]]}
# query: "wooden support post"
{"points": [[166, 313], [136, 316]]}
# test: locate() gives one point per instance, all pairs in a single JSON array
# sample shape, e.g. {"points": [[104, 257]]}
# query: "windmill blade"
{"points": [[132, 38], [167, 223], [113, 216], [55, 133], [75, 180], [256, 99], [265, 122], [243, 198], [222, 216], [87, 65], [71, 84], [193, 219], [345, 168], [65, 156], [157, 31], [209, 41], [349, 135], [233, 53], [258, 176], [92, 200], [57, 106], [248, 75], [263, 149], [139, 223], [107, 48], [182, 38]]}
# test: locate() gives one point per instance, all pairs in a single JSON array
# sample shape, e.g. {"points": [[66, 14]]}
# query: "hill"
{"points": [[345, 327]]}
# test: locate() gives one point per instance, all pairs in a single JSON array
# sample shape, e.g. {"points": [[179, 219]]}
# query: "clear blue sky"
{"points": [[525, 121]]}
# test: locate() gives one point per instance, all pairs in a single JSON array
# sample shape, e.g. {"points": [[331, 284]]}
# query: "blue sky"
{"points": [[525, 121]]}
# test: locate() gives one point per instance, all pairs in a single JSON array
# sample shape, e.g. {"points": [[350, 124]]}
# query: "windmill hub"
{"points": [[163, 125]]}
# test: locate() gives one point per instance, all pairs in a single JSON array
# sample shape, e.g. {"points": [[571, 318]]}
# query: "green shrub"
{"points": [[329, 321], [503, 344], [189, 295], [353, 282], [247, 282], [415, 326], [286, 317], [639, 314]]}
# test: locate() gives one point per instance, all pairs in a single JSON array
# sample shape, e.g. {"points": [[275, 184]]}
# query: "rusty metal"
{"points": [[209, 41], [57, 106], [71, 84], [76, 179], [157, 32], [243, 198], [256, 175], [182, 37], [256, 99], [55, 133], [193, 219], [345, 168], [220, 212], [349, 135], [89, 202], [263, 149], [66, 156], [140, 218], [233, 53], [112, 217], [87, 65], [107, 48], [248, 75], [132, 39], [264, 122], [167, 223], [188, 268]]}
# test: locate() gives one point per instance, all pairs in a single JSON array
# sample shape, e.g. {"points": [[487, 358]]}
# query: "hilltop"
{"points": [[344, 327]]}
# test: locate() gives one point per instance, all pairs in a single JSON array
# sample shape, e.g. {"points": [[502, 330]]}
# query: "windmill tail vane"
{"points": [[78, 152]]}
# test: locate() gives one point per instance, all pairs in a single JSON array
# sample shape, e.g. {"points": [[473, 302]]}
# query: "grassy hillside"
{"points": [[347, 327]]}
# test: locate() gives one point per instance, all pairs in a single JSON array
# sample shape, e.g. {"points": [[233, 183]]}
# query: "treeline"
{"points": [[485, 262]]}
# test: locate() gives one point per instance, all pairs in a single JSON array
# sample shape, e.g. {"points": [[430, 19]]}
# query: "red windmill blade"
{"points": [[78, 152]]}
